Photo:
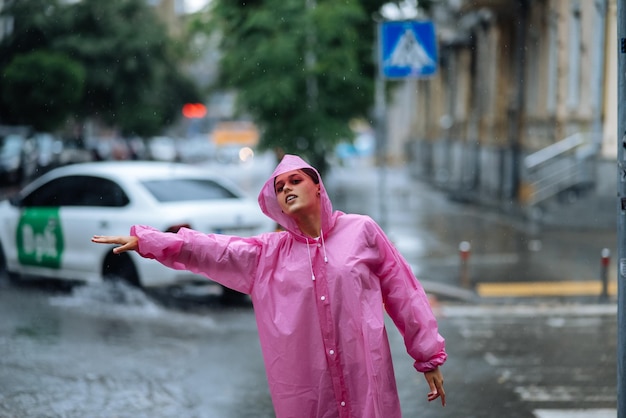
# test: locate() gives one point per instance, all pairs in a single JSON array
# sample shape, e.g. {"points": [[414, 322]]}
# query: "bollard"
{"points": [[464, 252], [604, 277]]}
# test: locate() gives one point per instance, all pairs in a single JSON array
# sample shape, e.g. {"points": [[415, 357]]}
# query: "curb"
{"points": [[446, 291]]}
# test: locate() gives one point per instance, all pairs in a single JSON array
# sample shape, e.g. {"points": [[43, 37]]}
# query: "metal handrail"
{"points": [[559, 166], [552, 151]]}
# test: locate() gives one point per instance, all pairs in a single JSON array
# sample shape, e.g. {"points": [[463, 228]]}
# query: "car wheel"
{"points": [[3, 261], [12, 277], [119, 267]]}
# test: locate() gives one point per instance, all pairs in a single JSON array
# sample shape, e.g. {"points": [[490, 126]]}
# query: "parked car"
{"points": [[18, 156], [11, 158], [49, 149], [162, 148], [195, 150], [77, 150], [45, 229]]}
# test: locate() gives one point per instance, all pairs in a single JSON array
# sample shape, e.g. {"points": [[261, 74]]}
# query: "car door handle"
{"points": [[104, 224]]}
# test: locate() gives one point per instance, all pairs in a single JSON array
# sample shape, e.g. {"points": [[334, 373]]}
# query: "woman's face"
{"points": [[296, 193]]}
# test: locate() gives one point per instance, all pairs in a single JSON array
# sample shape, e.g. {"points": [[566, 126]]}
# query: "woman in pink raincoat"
{"points": [[320, 290]]}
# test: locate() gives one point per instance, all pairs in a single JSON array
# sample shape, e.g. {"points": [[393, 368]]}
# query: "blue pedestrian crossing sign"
{"points": [[408, 49]]}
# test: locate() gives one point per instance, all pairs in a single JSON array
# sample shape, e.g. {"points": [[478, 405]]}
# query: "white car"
{"points": [[45, 230]]}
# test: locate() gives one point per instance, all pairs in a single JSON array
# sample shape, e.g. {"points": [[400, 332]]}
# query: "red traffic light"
{"points": [[194, 110]]}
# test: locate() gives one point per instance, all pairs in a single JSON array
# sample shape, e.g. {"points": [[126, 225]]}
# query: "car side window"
{"points": [[77, 191], [186, 190]]}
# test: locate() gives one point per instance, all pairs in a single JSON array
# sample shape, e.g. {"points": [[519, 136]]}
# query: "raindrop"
{"points": [[534, 245]]}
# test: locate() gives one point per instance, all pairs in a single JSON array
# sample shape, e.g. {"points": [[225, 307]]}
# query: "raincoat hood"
{"points": [[269, 204]]}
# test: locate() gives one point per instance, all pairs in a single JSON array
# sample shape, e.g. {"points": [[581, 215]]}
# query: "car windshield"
{"points": [[180, 190]]}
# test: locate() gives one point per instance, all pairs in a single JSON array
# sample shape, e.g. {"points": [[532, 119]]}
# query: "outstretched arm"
{"points": [[126, 243], [435, 382]]}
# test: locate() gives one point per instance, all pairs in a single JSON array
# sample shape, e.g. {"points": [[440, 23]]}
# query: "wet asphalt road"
{"points": [[96, 352], [100, 353], [107, 352]]}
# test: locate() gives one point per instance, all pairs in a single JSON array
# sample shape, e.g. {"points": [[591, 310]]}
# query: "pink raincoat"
{"points": [[319, 305]]}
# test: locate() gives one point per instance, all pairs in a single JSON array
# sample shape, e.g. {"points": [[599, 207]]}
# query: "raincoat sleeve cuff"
{"points": [[432, 364], [155, 244]]}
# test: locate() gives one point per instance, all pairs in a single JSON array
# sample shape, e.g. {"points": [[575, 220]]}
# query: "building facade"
{"points": [[526, 90]]}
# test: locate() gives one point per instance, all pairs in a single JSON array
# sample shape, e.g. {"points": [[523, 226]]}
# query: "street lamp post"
{"points": [[621, 182]]}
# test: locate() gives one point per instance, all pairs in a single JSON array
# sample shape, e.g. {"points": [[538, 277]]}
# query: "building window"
{"points": [[553, 70], [573, 82], [597, 62]]}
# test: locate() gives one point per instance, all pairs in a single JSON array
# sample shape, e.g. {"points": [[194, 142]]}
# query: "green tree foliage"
{"points": [[132, 78], [36, 23], [42, 88], [132, 82], [301, 69]]}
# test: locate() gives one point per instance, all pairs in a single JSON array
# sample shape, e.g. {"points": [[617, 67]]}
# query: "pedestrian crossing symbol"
{"points": [[408, 49]]}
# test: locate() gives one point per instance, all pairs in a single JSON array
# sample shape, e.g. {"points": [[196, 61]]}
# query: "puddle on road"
{"points": [[108, 296], [119, 301], [108, 293]]}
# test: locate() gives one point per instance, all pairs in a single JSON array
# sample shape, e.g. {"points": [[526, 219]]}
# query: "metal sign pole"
{"points": [[381, 132], [621, 182], [405, 49]]}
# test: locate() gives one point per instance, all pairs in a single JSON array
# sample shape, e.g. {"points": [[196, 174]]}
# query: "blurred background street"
{"points": [[429, 225], [480, 134], [118, 352]]}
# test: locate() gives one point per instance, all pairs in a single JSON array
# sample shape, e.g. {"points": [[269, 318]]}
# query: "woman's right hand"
{"points": [[126, 243]]}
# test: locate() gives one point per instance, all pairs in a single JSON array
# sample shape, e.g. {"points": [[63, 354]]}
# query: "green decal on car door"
{"points": [[39, 237]]}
